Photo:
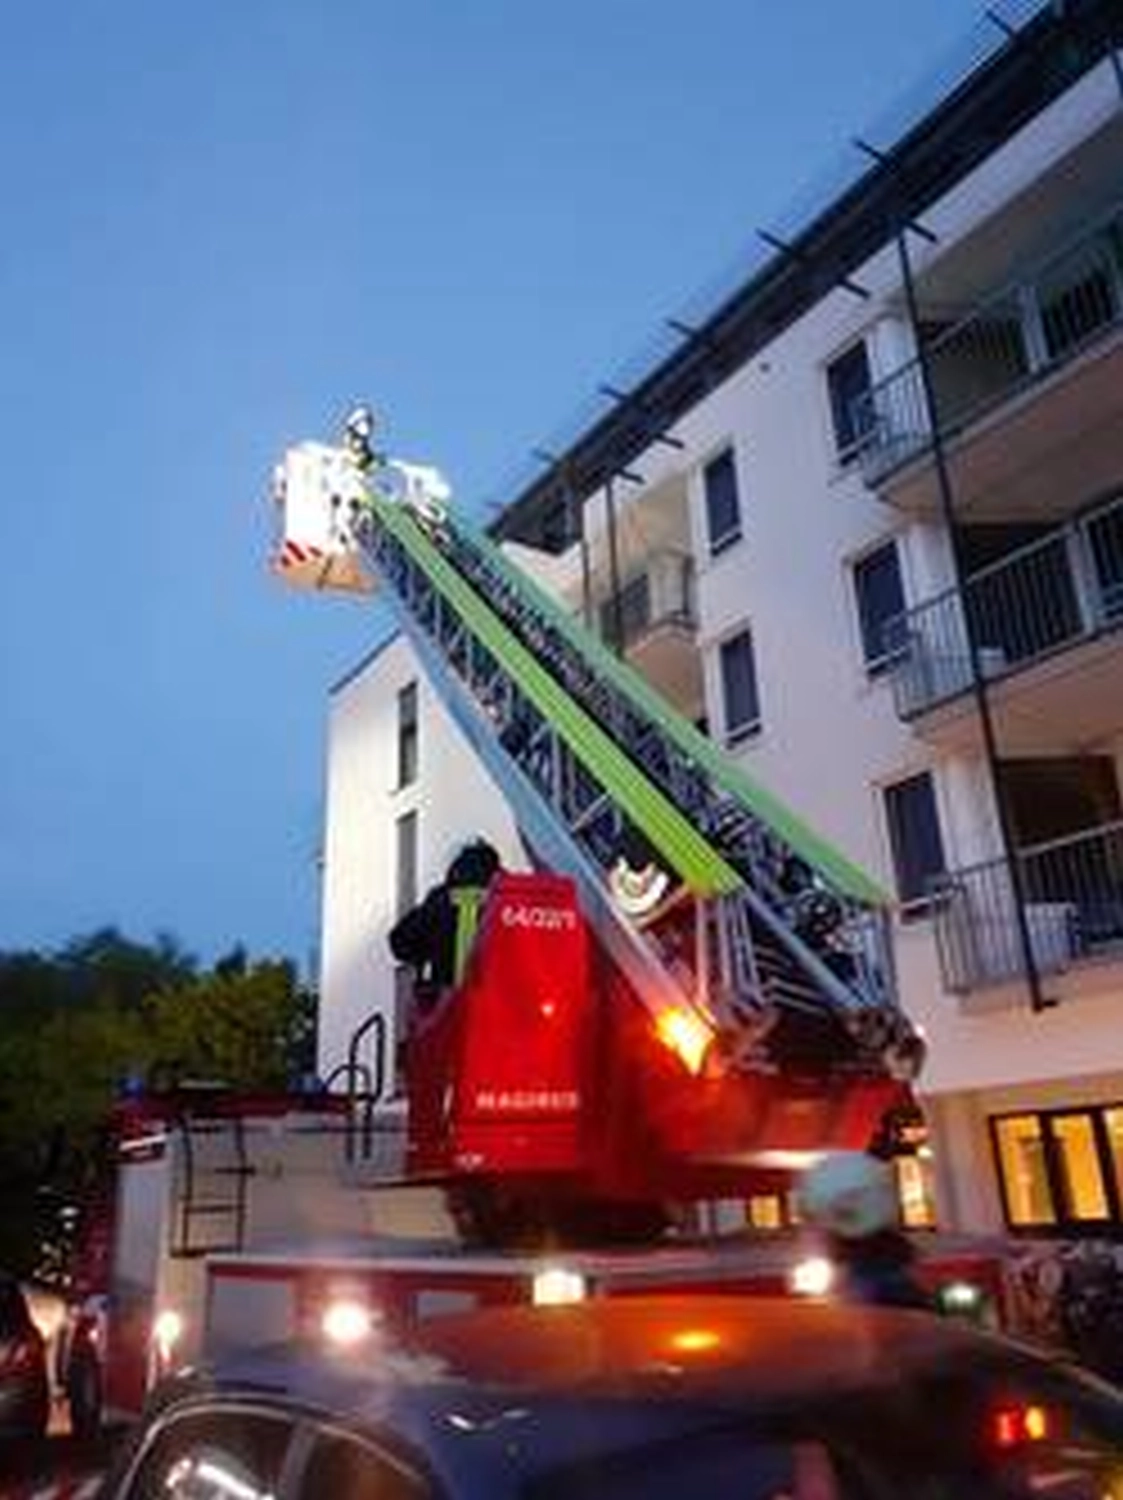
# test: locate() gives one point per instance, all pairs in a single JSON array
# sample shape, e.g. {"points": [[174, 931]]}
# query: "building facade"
{"points": [[866, 523]]}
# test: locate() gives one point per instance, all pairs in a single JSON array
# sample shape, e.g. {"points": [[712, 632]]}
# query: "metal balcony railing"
{"points": [[1073, 891], [662, 595], [1056, 592], [1017, 337]]}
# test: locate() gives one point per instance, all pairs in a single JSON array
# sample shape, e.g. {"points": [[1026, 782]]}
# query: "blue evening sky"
{"points": [[225, 221]]}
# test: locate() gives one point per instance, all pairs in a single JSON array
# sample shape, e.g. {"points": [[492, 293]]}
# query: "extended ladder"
{"points": [[775, 941]]}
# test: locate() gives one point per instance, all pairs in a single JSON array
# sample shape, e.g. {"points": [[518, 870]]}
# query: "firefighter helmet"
{"points": [[849, 1194]]}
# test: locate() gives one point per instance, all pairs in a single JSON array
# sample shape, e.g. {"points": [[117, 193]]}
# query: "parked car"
{"points": [[636, 1399], [25, 1400]]}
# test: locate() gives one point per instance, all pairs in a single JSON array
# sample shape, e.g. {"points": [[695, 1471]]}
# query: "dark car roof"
{"points": [[761, 1348], [523, 1391]]}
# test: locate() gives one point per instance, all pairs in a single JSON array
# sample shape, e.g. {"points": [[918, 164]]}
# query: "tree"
{"points": [[75, 1026]]}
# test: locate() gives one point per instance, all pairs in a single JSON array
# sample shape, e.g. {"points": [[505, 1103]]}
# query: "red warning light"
{"points": [[1015, 1425]]}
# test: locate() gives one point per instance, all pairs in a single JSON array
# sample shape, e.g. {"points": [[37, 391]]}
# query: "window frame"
{"points": [[737, 734], [919, 904], [847, 437], [402, 904], [138, 1455], [412, 1466], [878, 665], [409, 734], [1062, 1222], [717, 545]]}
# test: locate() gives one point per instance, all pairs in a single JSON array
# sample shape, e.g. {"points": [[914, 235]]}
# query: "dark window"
{"points": [[848, 382], [881, 605], [740, 701], [221, 1452], [407, 863], [407, 735], [723, 505], [343, 1469], [914, 836], [728, 1464]]}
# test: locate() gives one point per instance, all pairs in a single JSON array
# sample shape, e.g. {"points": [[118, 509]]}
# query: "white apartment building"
{"points": [[762, 524]]}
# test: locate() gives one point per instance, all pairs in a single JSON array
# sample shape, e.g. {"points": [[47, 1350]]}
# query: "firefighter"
{"points": [[851, 1197], [358, 438], [433, 938]]}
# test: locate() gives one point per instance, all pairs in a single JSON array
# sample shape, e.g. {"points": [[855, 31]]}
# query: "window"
{"points": [[740, 702], [1060, 1168], [729, 1463], [881, 607], [1079, 1171], [1022, 1171], [848, 385], [407, 735], [914, 836], [344, 1469], [407, 863], [723, 505], [226, 1453]]}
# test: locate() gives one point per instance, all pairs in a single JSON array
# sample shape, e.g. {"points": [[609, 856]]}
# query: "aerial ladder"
{"points": [[759, 955]]}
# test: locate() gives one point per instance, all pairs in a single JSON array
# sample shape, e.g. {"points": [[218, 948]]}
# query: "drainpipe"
{"points": [[617, 611], [575, 532], [1038, 1000]]}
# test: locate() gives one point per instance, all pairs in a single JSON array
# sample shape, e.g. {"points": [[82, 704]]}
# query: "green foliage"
{"points": [[76, 1025]]}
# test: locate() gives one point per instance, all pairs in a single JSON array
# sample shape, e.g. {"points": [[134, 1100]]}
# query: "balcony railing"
{"points": [[1061, 590], [661, 596], [1073, 889], [1016, 338]]}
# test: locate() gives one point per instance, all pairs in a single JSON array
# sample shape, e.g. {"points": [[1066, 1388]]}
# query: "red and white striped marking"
{"points": [[292, 554], [73, 1487]]}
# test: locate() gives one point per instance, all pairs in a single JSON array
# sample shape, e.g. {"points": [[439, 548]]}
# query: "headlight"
{"points": [[813, 1277], [554, 1286], [167, 1330], [347, 1322], [961, 1298]]}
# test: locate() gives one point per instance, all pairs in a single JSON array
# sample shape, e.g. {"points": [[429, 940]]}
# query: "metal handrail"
{"points": [[1053, 592], [362, 1100], [882, 442], [1073, 887]]}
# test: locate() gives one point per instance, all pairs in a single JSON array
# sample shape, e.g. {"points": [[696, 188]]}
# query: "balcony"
{"points": [[1028, 389], [1073, 889], [655, 614], [1054, 595]]}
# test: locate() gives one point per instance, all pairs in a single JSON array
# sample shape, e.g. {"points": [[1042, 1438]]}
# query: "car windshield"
{"points": [[1014, 1431]]}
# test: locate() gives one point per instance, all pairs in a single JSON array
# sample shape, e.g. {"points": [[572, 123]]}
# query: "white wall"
{"points": [[454, 798]]}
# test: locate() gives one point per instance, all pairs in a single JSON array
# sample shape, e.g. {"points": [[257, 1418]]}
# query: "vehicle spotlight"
{"points": [[554, 1286], [347, 1322], [812, 1277], [167, 1330]]}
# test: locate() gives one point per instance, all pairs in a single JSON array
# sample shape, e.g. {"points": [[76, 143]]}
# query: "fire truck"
{"points": [[687, 998]]}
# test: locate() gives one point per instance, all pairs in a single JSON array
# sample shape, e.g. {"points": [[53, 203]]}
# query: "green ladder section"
{"points": [[679, 845], [841, 873], [781, 924]]}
